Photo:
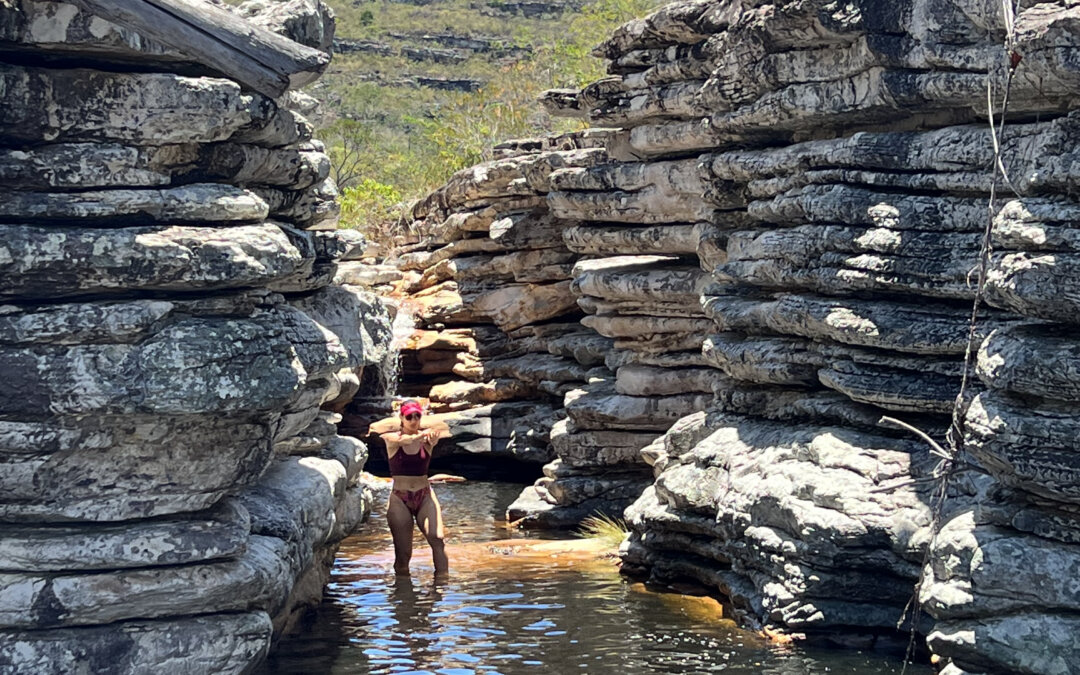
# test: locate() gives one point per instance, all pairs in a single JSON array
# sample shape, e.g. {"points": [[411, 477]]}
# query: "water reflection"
{"points": [[510, 613]]}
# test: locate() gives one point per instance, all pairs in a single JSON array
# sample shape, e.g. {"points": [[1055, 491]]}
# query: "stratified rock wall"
{"points": [[496, 341], [171, 492], [780, 243]]}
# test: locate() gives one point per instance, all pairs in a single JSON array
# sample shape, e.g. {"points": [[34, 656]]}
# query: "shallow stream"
{"points": [[504, 611]]}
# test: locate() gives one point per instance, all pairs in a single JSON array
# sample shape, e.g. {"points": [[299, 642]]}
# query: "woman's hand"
{"points": [[431, 436]]}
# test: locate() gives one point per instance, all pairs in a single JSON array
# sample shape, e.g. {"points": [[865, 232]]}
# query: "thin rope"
{"points": [[950, 460]]}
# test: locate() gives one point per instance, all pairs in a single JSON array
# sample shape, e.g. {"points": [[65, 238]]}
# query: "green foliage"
{"points": [[610, 530], [390, 142], [370, 207], [588, 29]]}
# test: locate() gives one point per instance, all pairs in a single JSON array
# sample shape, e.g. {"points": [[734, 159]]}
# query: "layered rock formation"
{"points": [[841, 292], [779, 245], [172, 491], [994, 581], [488, 284]]}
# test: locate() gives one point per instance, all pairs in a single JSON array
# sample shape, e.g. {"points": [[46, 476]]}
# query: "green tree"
{"points": [[397, 144]]}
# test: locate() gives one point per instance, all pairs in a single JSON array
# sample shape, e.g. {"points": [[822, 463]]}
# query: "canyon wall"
{"points": [[777, 244], [172, 486]]}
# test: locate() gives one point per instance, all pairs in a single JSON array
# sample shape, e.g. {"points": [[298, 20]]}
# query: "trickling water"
{"points": [[401, 329], [506, 612]]}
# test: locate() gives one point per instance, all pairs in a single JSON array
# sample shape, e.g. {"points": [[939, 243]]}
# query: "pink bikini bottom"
{"points": [[413, 499]]}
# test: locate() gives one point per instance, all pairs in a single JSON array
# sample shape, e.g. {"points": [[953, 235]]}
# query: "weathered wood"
{"points": [[260, 59]]}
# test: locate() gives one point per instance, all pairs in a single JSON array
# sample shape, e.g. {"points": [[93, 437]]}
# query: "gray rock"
{"points": [[597, 447], [588, 349], [36, 261], [109, 164], [644, 281], [144, 108], [229, 366], [640, 380], [313, 208], [922, 328], [1039, 360], [1026, 445], [102, 468], [517, 430], [1023, 643], [192, 203], [597, 408], [607, 240], [771, 360], [116, 322], [219, 643], [517, 305], [295, 502], [530, 510], [258, 579], [309, 22], [46, 26], [1034, 284], [220, 532], [998, 598], [576, 485], [973, 564], [534, 368], [842, 260], [893, 389], [358, 318], [784, 536]]}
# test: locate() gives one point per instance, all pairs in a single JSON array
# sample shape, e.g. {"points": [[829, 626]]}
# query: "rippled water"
{"points": [[500, 613]]}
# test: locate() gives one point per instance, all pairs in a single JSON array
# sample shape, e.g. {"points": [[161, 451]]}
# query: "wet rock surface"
{"points": [[172, 488]]}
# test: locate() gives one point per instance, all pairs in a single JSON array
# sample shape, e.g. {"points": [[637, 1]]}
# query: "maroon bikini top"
{"points": [[404, 464]]}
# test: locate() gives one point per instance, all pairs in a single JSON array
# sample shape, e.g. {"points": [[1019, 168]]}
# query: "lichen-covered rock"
{"points": [[220, 643], [36, 261], [102, 467], [191, 203], [219, 532], [155, 370], [998, 596], [146, 108], [1026, 444], [258, 579], [793, 512], [782, 238]]}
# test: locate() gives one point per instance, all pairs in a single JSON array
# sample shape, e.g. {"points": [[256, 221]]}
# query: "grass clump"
{"points": [[600, 526]]}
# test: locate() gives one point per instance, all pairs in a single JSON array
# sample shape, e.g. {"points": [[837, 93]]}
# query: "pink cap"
{"points": [[409, 407]]}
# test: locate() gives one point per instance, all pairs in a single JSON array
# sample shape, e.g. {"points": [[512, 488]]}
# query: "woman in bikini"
{"points": [[409, 454]]}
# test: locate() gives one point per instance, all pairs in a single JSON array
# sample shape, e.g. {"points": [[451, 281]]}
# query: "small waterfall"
{"points": [[379, 381], [401, 329]]}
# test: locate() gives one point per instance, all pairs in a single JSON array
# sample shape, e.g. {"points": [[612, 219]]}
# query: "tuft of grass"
{"points": [[601, 526]]}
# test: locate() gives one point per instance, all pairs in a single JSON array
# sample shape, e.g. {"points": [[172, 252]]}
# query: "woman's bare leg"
{"points": [[400, 521], [430, 520]]}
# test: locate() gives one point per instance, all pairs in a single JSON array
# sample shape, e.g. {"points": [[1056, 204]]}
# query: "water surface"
{"points": [[501, 612]]}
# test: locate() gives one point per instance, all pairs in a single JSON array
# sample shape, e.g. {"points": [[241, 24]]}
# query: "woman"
{"points": [[411, 499]]}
